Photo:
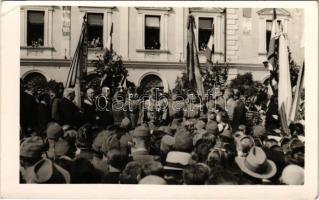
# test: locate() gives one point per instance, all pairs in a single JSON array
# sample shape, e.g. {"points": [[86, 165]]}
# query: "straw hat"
{"points": [[256, 164]]}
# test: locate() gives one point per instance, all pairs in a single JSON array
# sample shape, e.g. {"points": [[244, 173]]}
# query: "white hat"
{"points": [[292, 175], [177, 160], [152, 180]]}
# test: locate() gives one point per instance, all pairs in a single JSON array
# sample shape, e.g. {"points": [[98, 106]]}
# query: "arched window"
{"points": [[151, 81], [35, 77]]}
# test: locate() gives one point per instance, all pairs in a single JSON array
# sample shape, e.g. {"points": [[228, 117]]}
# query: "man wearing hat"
{"points": [[296, 152], [116, 160], [239, 114], [196, 174], [292, 175], [230, 103], [176, 105], [212, 128], [167, 144], [272, 116], [133, 108], [220, 100], [152, 108], [259, 134], [84, 140], [152, 180], [98, 151], [140, 145], [175, 163], [118, 107], [193, 106], [176, 124], [45, 171], [256, 166], [31, 151], [183, 140], [54, 132], [64, 153], [132, 173]]}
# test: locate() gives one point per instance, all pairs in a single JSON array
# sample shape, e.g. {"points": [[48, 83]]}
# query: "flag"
{"points": [[284, 85], [209, 51], [273, 43], [109, 44], [109, 47], [78, 67], [123, 81], [298, 89], [193, 68]]}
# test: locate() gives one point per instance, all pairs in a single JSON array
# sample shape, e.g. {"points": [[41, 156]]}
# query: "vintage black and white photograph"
{"points": [[162, 95]]}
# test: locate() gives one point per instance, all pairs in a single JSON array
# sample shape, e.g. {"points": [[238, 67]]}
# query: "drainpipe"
{"points": [[225, 34]]}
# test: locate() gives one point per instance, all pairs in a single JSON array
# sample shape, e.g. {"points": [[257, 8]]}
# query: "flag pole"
{"points": [[81, 70], [295, 104]]}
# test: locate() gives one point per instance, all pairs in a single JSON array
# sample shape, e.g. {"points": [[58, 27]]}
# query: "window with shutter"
{"points": [[95, 29], [152, 32], [35, 28], [205, 29]]}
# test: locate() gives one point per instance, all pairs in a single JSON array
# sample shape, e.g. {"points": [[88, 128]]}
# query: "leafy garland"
{"points": [[110, 66], [214, 75]]}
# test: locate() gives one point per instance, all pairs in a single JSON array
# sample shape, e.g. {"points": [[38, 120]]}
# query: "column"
{"points": [[140, 32], [262, 36], [165, 29], [232, 34], [123, 34], [105, 28], [50, 28], [23, 24], [179, 33]]}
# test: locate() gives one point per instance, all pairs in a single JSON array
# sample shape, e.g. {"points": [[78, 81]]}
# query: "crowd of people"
{"points": [[226, 139]]}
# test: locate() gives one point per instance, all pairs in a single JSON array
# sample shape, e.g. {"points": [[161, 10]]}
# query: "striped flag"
{"points": [[209, 51], [109, 44], [273, 43], [192, 64], [109, 47], [284, 85], [298, 89], [78, 68]]}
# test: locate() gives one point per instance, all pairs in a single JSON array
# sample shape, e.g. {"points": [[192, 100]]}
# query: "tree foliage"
{"points": [[110, 66], [214, 75], [245, 84]]}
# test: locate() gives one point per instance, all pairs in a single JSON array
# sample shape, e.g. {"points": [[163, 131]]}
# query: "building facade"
{"points": [[152, 40]]}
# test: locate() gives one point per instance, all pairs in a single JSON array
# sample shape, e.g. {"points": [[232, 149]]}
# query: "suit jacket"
{"points": [[69, 113], [103, 111], [272, 123], [28, 111], [55, 109], [239, 115], [43, 116], [231, 104], [89, 111]]}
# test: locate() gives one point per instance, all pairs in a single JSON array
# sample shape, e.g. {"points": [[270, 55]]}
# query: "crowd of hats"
{"points": [[187, 151]]}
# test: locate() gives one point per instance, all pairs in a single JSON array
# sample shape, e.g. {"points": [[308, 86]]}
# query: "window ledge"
{"points": [[202, 52], [96, 49], [262, 53], [152, 51], [37, 48]]}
